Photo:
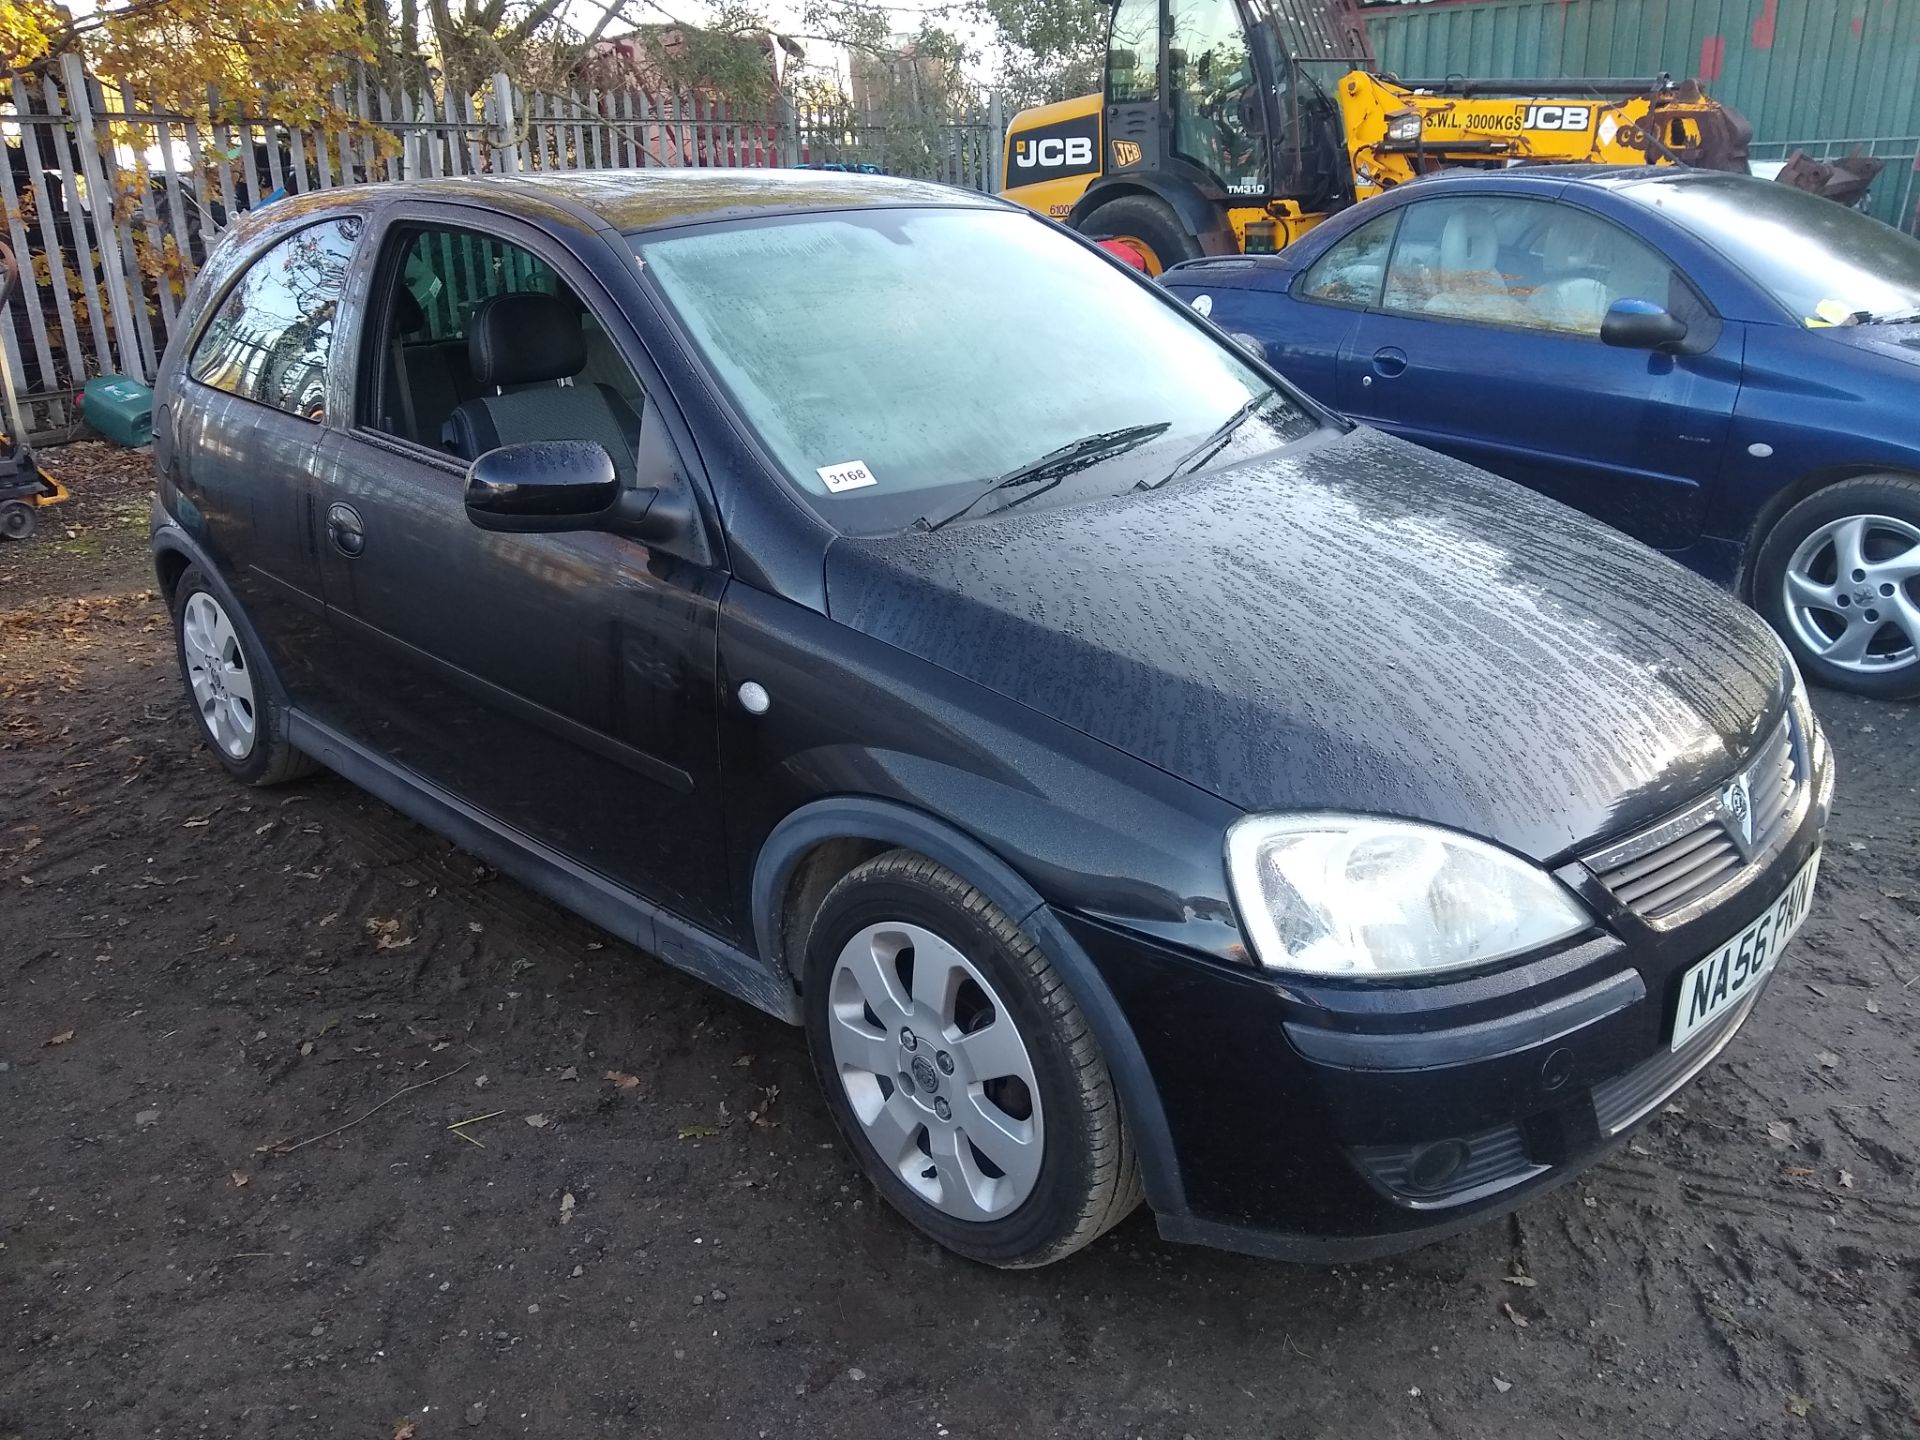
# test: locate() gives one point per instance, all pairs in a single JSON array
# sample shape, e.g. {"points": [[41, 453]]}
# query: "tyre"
{"points": [[1147, 224], [231, 694], [1839, 578], [17, 520], [959, 1068]]}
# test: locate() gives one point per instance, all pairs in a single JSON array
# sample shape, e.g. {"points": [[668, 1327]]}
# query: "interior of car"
{"points": [[483, 345]]}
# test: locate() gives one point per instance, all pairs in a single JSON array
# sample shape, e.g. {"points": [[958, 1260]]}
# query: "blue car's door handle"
{"points": [[1389, 361]]}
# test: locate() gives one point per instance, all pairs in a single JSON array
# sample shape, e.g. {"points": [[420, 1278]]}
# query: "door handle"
{"points": [[1389, 361], [344, 530]]}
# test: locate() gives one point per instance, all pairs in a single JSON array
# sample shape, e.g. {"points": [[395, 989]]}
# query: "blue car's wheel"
{"points": [[1839, 578]]}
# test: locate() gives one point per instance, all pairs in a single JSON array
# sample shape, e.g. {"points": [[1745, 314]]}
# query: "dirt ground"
{"points": [[237, 1029]]}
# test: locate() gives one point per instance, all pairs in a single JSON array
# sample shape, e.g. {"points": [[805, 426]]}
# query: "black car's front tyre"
{"points": [[1839, 578], [960, 1069], [232, 696]]}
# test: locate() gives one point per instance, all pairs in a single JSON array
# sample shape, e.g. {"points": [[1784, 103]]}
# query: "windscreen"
{"points": [[896, 363], [1825, 263]]}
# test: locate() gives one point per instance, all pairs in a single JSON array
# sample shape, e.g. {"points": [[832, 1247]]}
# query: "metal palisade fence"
{"points": [[111, 204]]}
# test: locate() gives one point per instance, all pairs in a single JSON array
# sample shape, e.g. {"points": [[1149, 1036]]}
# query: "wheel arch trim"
{"points": [[171, 540], [894, 824]]}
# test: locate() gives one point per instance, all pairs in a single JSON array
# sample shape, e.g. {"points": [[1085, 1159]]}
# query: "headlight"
{"points": [[1350, 895], [1403, 128], [1812, 738]]}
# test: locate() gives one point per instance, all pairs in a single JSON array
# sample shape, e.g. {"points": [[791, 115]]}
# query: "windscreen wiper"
{"points": [[1214, 443], [1055, 466], [1895, 317]]}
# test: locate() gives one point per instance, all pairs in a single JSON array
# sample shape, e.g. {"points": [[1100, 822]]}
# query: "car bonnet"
{"points": [[1356, 624]]}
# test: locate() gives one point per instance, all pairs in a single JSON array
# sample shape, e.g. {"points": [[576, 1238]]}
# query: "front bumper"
{"points": [[1305, 1117]]}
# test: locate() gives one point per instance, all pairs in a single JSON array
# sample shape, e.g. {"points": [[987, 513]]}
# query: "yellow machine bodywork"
{"points": [[1465, 130], [1392, 134]]}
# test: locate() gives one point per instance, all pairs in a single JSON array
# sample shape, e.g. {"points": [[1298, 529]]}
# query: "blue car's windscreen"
{"points": [[896, 362], [1824, 263]]}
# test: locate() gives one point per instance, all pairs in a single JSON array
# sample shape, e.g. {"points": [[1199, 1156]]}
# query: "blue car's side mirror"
{"points": [[1641, 325]]}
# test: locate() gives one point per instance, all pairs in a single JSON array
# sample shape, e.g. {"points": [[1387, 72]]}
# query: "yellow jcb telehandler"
{"points": [[1238, 125]]}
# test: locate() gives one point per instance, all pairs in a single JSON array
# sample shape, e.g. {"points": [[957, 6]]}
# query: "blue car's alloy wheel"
{"points": [[1839, 577]]}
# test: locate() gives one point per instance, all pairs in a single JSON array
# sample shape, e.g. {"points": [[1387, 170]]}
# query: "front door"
{"points": [[1486, 345], [561, 684]]}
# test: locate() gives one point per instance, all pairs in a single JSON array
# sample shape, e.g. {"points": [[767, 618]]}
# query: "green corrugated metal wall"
{"points": [[1820, 75]]}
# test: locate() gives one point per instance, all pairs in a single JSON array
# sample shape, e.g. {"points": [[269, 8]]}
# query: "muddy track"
{"points": [[244, 969]]}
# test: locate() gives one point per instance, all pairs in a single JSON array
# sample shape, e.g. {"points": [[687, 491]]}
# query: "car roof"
{"points": [[1610, 177], [645, 199]]}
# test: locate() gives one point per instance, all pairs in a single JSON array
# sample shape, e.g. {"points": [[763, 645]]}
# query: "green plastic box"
{"points": [[120, 408]]}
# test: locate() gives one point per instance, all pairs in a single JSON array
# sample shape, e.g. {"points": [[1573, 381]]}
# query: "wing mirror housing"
{"points": [[1641, 325], [544, 486]]}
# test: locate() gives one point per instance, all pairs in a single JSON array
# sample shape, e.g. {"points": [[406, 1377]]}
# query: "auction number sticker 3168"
{"points": [[1726, 977]]}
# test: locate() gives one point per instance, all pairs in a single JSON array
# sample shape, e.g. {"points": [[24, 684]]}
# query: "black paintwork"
{"points": [[1067, 705]]}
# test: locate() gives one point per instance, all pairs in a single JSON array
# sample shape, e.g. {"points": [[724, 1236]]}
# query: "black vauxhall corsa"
{"points": [[876, 601]]}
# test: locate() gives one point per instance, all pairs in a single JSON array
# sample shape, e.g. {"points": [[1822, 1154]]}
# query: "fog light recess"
{"points": [[1433, 1167]]}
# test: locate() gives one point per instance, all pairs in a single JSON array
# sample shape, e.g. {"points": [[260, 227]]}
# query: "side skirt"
{"points": [[614, 909]]}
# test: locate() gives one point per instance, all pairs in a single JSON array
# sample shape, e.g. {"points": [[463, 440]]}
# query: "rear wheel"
{"points": [[959, 1068], [17, 520], [232, 697], [1839, 578], [1148, 225]]}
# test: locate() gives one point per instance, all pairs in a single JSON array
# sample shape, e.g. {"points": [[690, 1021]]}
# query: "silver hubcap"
{"points": [[935, 1071], [1848, 595], [217, 674]]}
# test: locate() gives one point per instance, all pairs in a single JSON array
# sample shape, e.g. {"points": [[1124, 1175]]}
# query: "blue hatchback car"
{"points": [[1726, 368]]}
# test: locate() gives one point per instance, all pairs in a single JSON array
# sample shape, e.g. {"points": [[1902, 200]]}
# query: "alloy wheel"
{"points": [[218, 676], [1849, 593], [935, 1071]]}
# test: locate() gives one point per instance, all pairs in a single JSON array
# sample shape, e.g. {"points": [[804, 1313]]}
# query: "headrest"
{"points": [[525, 338], [1468, 241], [408, 317]]}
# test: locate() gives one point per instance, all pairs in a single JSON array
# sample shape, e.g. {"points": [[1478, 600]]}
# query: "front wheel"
{"points": [[1147, 225], [959, 1068], [1839, 578]]}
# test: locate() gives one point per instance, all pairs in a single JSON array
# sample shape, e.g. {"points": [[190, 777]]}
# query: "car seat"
{"points": [[1470, 284], [533, 340]]}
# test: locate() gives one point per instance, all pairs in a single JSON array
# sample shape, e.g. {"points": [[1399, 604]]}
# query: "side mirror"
{"points": [[544, 485], [1641, 325]]}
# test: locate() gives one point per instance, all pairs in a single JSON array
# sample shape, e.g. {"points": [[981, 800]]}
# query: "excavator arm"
{"points": [[1398, 129]]}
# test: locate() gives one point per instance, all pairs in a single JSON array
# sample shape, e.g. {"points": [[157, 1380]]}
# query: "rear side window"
{"points": [[1352, 271], [270, 338]]}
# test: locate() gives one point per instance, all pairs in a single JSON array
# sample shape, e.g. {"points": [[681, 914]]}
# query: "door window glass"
{"points": [[1527, 263], [1352, 271], [433, 384], [1133, 59], [1217, 105], [270, 338]]}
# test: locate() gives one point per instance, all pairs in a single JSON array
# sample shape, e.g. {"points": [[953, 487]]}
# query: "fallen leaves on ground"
{"points": [[566, 1208], [538, 1122], [386, 934], [697, 1132], [62, 1038], [1506, 1309], [623, 1080], [1798, 1405]]}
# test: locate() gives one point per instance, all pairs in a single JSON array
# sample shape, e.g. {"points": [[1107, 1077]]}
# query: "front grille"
{"points": [[1626, 1099], [1672, 866]]}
